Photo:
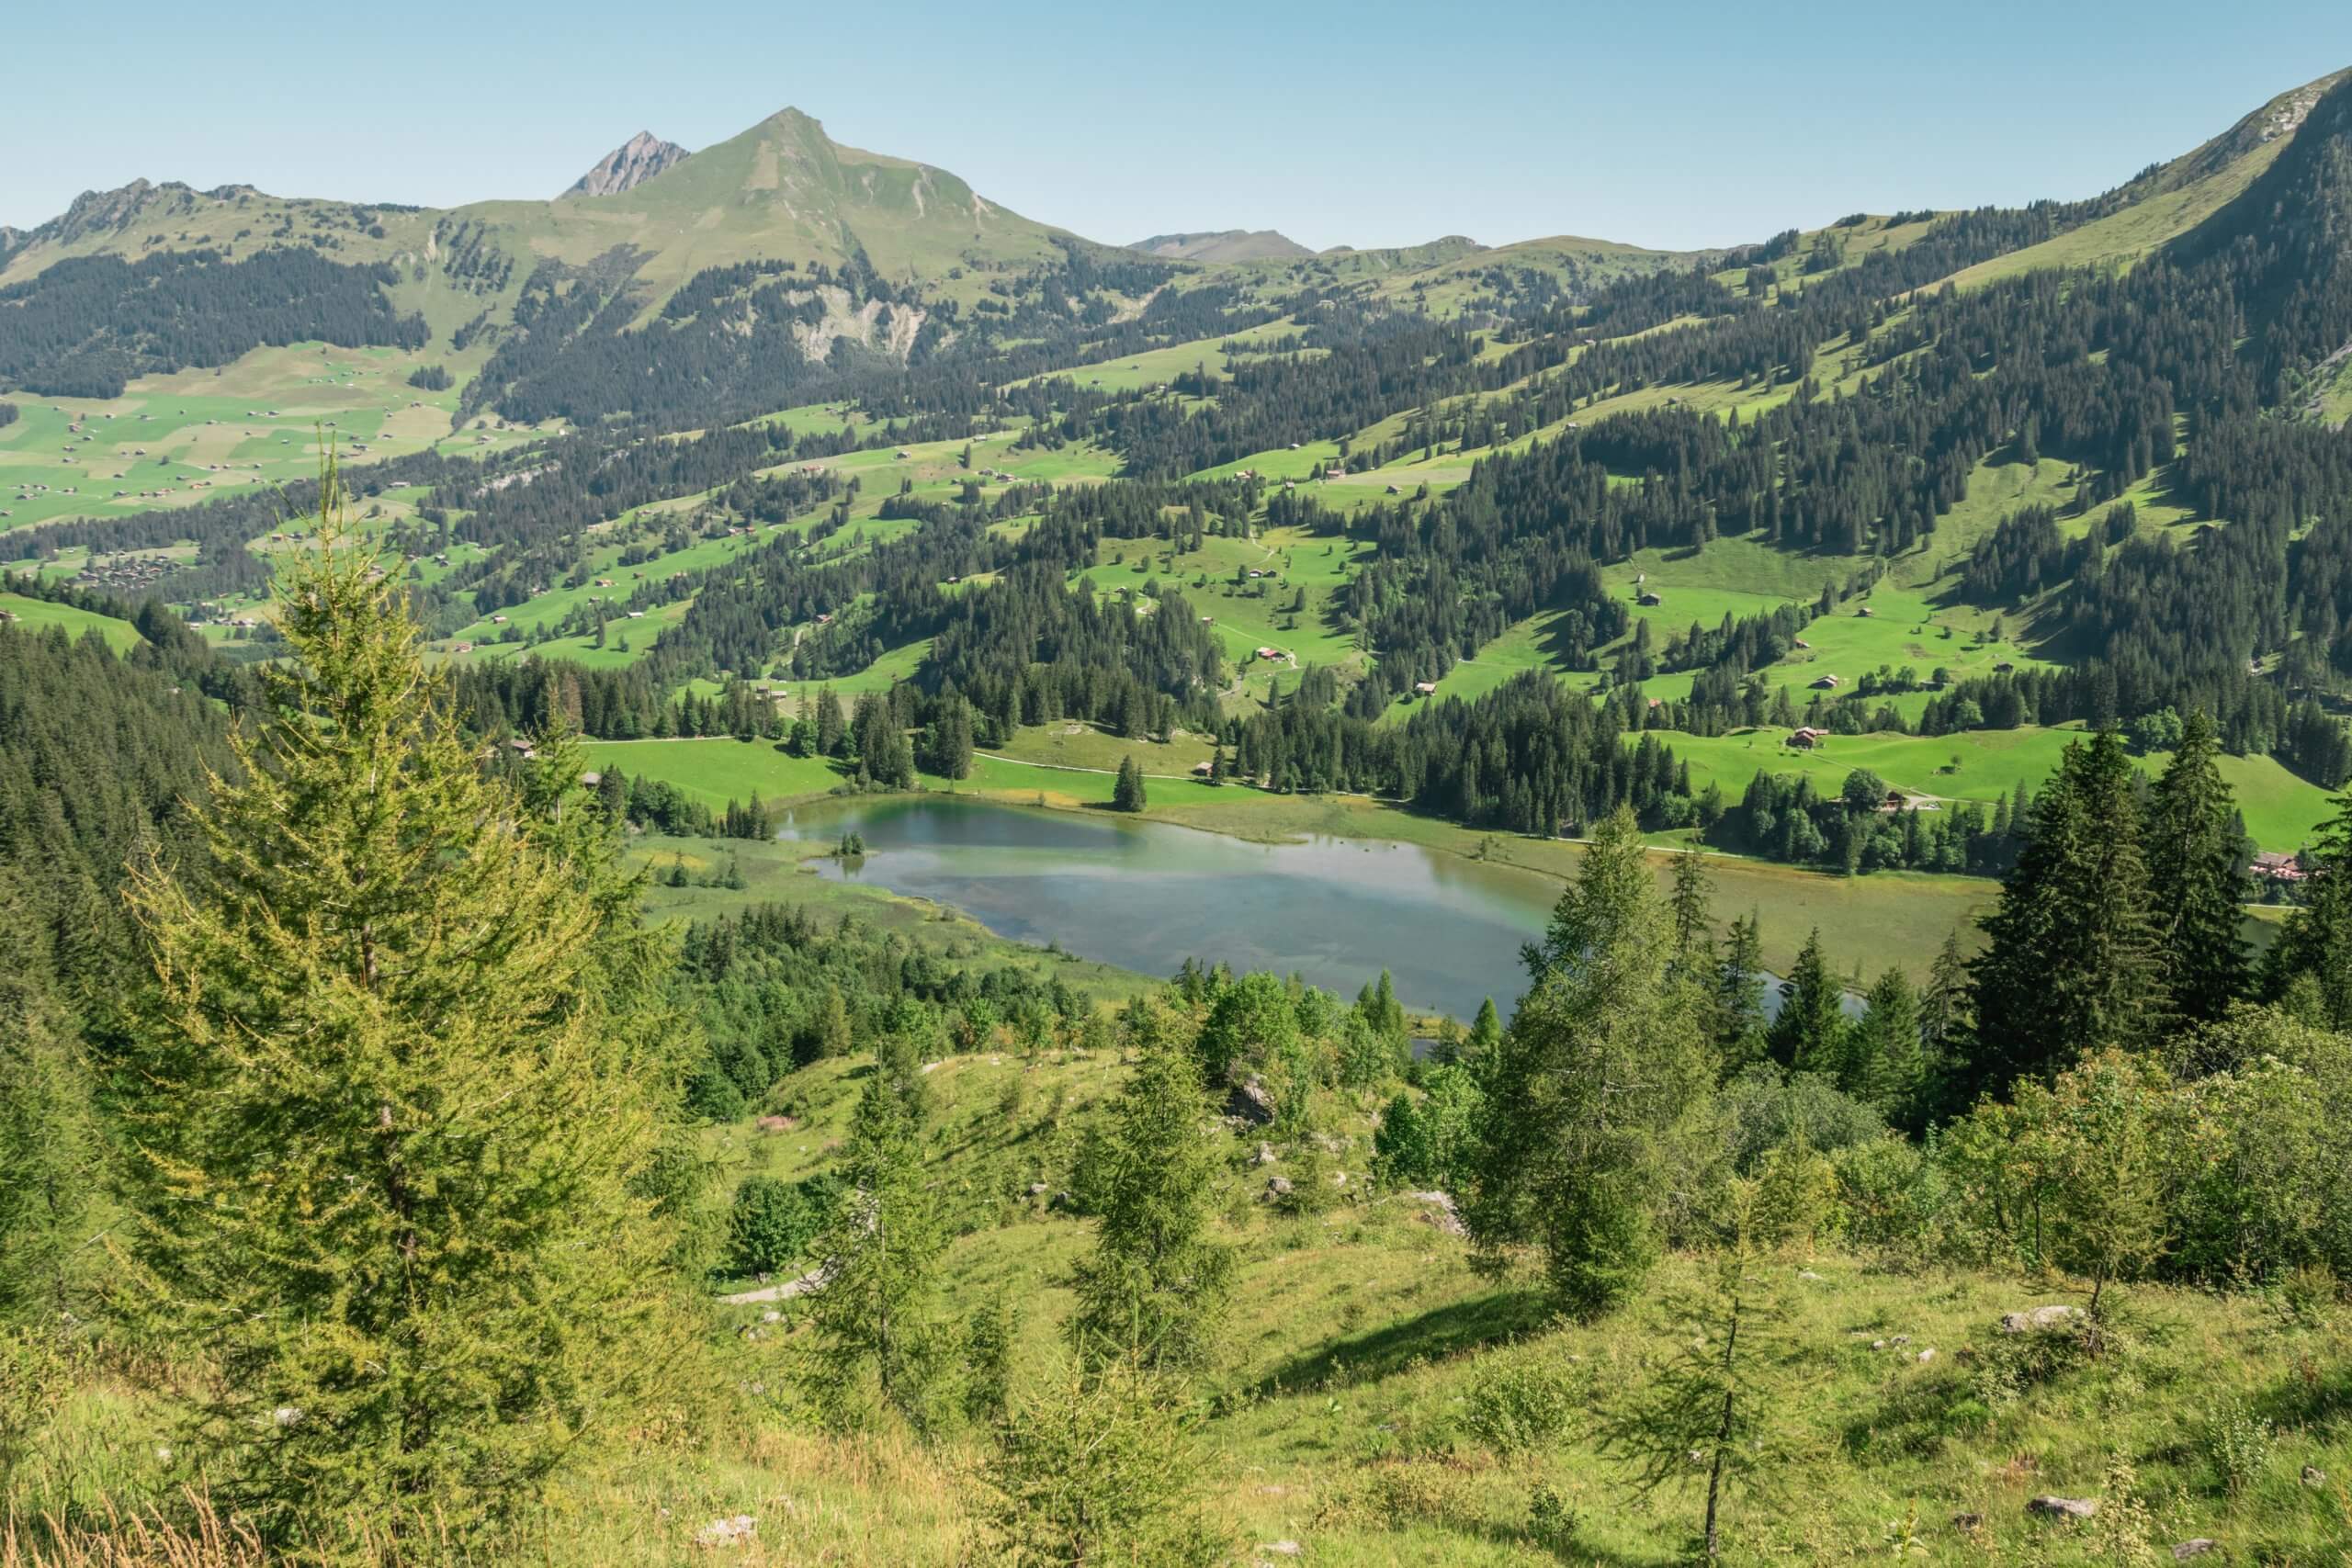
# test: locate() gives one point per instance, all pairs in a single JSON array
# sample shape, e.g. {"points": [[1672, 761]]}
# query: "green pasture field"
{"points": [[39, 614], [180, 439]]}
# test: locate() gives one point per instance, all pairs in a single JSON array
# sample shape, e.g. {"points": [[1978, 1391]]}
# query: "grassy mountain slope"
{"points": [[2169, 200], [1224, 245]]}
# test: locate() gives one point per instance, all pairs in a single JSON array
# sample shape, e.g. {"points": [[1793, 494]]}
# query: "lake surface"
{"points": [[1145, 896]]}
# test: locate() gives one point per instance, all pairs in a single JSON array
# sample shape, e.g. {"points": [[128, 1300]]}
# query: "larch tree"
{"points": [[1151, 1293], [50, 1145], [875, 1308], [399, 1090], [1602, 1065]]}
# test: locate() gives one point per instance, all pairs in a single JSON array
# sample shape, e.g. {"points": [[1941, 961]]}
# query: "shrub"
{"points": [[1519, 1402], [771, 1225]]}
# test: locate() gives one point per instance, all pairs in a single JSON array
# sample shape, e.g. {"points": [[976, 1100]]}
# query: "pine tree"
{"points": [[1809, 1036], [1151, 1293], [1127, 794], [2071, 963], [1591, 1086], [875, 1312], [2194, 885], [391, 1107]]}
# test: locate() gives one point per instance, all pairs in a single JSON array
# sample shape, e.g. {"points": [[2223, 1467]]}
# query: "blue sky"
{"points": [[1677, 125]]}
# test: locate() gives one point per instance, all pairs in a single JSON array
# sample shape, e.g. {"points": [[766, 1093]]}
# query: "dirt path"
{"points": [[784, 1293]]}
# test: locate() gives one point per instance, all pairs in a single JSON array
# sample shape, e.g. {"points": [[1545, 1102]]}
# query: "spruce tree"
{"points": [[1809, 1036], [2313, 952], [1592, 1086], [392, 1111], [2194, 885], [1881, 1066], [2071, 963], [1151, 1291], [1693, 918], [1740, 997], [1127, 794]]}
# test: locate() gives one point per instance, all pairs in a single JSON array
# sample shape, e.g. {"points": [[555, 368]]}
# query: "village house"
{"points": [[1807, 739], [1203, 770], [2280, 867]]}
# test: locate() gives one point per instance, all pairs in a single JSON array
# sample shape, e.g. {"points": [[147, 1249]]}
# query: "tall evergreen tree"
{"points": [[2313, 951], [2194, 885], [1127, 794], [391, 1114], [1809, 1036], [1739, 996], [1603, 1063], [2071, 963], [1881, 1066], [1151, 1293], [1690, 907]]}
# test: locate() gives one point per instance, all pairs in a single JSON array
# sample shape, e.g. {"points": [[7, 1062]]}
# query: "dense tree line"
{"points": [[85, 326]]}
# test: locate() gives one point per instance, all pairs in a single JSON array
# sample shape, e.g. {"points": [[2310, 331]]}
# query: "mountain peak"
{"points": [[630, 164], [1224, 245]]}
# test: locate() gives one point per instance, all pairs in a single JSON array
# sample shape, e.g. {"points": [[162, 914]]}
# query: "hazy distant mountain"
{"points": [[630, 164], [1224, 245]]}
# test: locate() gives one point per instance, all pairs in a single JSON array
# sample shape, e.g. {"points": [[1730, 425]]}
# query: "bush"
{"points": [[1099, 1469], [771, 1225], [1518, 1403]]}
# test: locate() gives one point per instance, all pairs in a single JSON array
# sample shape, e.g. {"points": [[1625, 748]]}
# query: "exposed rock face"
{"points": [[630, 164]]}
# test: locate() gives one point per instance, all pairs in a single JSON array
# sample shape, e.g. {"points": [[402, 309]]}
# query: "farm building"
{"points": [[1807, 739], [1826, 684], [1651, 599], [2279, 867], [1425, 687]]}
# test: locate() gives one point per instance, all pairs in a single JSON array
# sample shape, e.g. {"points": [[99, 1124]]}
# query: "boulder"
{"points": [[1277, 1186], [2196, 1547], [2039, 1319], [1924, 1356], [1441, 1212], [2314, 1476], [1249, 1102], [1265, 1155], [2063, 1508], [735, 1531]]}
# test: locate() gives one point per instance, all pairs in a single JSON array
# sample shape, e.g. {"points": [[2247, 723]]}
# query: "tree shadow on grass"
{"points": [[1433, 1335]]}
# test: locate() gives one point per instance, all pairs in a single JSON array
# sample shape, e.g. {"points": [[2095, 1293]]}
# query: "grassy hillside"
{"points": [[39, 614], [1379, 1401]]}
